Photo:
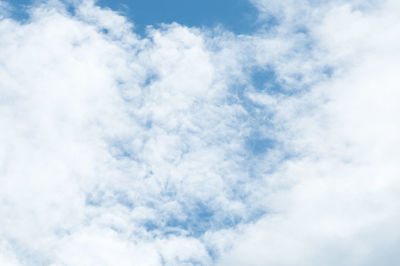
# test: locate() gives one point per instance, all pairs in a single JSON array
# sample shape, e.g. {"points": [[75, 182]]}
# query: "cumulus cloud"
{"points": [[200, 147], [339, 203], [124, 144]]}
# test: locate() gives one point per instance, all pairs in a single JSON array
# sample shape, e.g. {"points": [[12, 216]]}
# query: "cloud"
{"points": [[196, 146], [128, 145], [338, 205]]}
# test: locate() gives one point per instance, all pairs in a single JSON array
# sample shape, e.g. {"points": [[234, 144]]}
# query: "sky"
{"points": [[257, 132], [233, 15]]}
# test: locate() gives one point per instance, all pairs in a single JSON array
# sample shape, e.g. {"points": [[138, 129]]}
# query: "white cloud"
{"points": [[122, 144], [340, 206], [119, 150]]}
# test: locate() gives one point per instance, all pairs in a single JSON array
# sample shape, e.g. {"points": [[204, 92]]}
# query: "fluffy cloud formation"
{"points": [[196, 147], [127, 148], [340, 202]]}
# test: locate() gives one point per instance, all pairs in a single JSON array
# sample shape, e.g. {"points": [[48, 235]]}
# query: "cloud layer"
{"points": [[193, 146]]}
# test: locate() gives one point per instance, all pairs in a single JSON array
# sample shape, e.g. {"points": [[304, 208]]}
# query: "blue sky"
{"points": [[235, 15], [238, 16]]}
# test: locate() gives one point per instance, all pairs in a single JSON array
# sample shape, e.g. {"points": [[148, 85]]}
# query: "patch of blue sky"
{"points": [[238, 16], [259, 144], [123, 198], [235, 15], [328, 71], [19, 9], [199, 218], [258, 116], [265, 79]]}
